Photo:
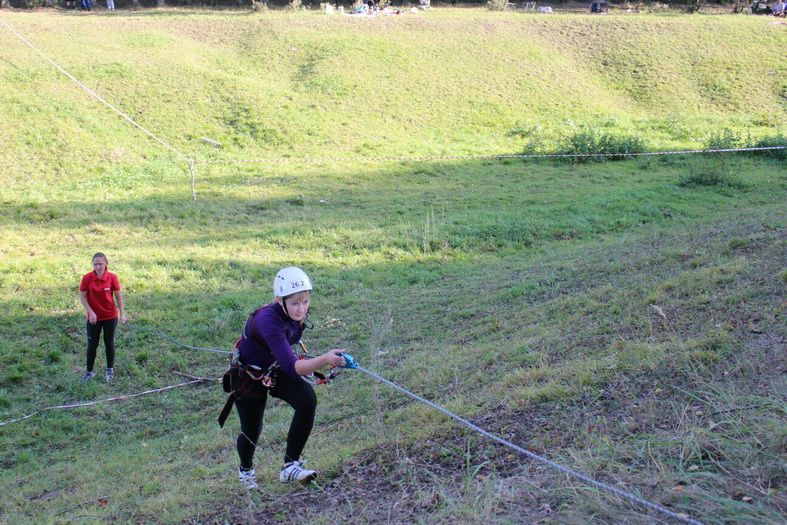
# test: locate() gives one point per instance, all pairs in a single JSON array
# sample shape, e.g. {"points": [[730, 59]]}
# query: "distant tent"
{"points": [[599, 6]]}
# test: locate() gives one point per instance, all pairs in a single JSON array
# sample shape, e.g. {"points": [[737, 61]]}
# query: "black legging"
{"points": [[299, 395], [93, 332]]}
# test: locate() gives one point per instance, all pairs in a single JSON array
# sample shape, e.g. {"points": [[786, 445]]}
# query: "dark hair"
{"points": [[99, 254]]}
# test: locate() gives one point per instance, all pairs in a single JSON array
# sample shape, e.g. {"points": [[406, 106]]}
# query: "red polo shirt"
{"points": [[99, 293]]}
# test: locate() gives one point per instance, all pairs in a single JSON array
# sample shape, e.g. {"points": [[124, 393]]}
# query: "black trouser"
{"points": [[299, 395], [93, 332]]}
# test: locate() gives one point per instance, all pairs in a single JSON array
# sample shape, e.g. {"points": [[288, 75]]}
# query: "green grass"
{"points": [[517, 294]]}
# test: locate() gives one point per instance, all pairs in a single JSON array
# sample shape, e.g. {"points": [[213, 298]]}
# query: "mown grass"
{"points": [[517, 294]]}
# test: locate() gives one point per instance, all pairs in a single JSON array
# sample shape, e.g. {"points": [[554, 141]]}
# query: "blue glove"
{"points": [[349, 361]]}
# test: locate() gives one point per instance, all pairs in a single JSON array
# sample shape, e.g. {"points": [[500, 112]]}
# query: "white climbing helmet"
{"points": [[289, 281]]}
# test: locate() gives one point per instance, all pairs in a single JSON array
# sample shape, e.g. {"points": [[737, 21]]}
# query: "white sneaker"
{"points": [[248, 478], [295, 472]]}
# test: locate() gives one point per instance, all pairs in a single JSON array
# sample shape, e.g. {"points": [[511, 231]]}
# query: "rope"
{"points": [[107, 400], [566, 470], [325, 160], [175, 341], [93, 93]]}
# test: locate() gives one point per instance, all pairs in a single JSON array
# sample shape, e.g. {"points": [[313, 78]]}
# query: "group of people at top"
{"points": [[87, 5], [366, 6], [264, 351]]}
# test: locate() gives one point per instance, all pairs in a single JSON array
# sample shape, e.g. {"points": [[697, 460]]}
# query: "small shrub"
{"points": [[534, 145], [603, 147], [713, 173], [497, 5], [693, 6], [726, 139], [768, 142], [295, 5]]}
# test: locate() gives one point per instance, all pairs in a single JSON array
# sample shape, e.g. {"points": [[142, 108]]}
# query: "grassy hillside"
{"points": [[447, 82], [516, 294]]}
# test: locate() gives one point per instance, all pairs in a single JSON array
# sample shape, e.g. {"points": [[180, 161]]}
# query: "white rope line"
{"points": [[566, 470], [93, 93], [428, 158], [107, 400]]}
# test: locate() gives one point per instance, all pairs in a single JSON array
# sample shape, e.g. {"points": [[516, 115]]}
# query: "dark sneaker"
{"points": [[110, 374], [88, 376]]}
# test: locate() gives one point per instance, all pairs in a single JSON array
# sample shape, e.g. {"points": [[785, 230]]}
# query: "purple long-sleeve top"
{"points": [[268, 336]]}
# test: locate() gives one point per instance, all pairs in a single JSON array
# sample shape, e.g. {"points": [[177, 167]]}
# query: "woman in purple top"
{"points": [[267, 341]]}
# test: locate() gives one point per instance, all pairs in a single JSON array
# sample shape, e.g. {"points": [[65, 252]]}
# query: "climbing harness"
{"points": [[252, 381], [242, 380]]}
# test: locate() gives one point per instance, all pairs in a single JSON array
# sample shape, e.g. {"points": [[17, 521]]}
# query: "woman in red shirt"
{"points": [[95, 293]]}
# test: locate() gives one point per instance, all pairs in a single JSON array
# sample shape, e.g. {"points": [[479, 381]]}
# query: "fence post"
{"points": [[193, 177]]}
